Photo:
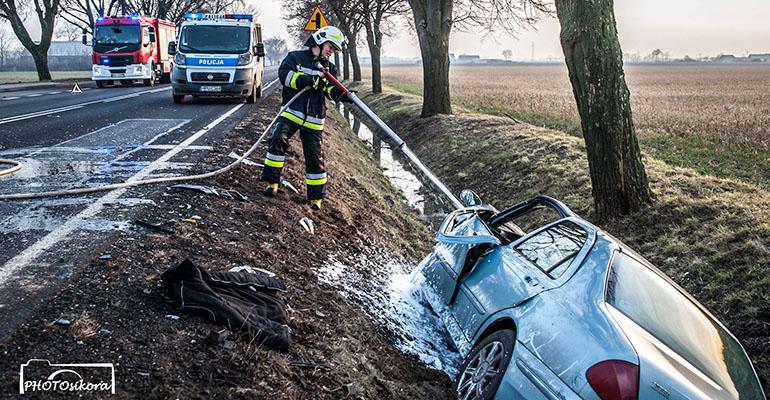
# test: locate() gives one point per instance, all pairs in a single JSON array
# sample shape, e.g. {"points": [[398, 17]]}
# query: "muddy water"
{"points": [[388, 289]]}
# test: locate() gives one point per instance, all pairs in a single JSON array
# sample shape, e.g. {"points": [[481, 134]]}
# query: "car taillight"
{"points": [[615, 380]]}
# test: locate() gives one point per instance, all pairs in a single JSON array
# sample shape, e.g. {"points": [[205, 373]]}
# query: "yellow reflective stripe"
{"points": [[274, 164], [328, 91], [315, 182], [297, 120], [293, 82]]}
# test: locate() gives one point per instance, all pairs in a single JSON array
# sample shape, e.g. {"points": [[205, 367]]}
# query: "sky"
{"points": [[681, 27]]}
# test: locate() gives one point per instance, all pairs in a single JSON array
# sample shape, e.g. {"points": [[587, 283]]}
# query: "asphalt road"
{"points": [[100, 136]]}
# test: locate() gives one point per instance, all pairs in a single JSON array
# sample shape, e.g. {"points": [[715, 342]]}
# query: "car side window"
{"points": [[552, 249]]}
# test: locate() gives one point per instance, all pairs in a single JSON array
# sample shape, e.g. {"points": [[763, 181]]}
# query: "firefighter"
{"points": [[306, 114]]}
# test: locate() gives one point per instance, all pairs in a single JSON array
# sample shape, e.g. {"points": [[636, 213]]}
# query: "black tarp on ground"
{"points": [[241, 301]]}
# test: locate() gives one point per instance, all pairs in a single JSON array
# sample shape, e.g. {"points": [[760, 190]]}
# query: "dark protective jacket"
{"points": [[297, 71], [241, 301]]}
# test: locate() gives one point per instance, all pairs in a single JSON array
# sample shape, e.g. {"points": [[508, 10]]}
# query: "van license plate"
{"points": [[211, 88]]}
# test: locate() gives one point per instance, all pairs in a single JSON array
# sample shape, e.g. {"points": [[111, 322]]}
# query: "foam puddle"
{"points": [[392, 296]]}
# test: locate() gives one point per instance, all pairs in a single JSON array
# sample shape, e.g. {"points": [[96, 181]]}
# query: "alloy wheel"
{"points": [[481, 371]]}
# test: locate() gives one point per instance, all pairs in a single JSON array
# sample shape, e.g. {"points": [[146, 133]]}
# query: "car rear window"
{"points": [[552, 249], [662, 310]]}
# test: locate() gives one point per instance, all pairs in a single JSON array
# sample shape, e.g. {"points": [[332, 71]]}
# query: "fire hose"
{"points": [[172, 179], [393, 136], [15, 166]]}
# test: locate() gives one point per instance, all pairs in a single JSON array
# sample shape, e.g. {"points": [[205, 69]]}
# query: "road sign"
{"points": [[316, 21], [76, 89]]}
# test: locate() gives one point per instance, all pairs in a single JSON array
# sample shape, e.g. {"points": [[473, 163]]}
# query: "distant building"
{"points": [[725, 58], [468, 58], [62, 56], [760, 58]]}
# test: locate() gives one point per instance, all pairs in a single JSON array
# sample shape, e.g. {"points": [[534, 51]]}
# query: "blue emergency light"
{"points": [[201, 16]]}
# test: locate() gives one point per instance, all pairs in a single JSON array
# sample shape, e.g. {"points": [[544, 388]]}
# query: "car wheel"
{"points": [[252, 98], [484, 367], [178, 98], [101, 84]]}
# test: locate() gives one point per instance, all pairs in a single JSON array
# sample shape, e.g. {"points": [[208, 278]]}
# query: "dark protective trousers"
{"points": [[315, 175]]}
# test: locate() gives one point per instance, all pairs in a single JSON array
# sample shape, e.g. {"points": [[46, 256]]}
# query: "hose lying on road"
{"points": [[169, 179], [16, 166]]}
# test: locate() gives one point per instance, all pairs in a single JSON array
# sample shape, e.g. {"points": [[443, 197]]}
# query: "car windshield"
{"points": [[662, 310], [117, 34], [214, 39]]}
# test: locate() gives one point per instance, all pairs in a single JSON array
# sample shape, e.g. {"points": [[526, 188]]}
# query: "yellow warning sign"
{"points": [[316, 21]]}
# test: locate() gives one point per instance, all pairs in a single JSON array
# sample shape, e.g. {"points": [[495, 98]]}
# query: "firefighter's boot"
{"points": [[316, 204], [271, 189]]}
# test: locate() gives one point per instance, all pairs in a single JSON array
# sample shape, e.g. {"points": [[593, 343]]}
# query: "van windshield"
{"points": [[666, 313], [215, 39]]}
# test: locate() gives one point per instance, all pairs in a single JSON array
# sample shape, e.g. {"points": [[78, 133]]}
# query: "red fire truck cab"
{"points": [[131, 48]]}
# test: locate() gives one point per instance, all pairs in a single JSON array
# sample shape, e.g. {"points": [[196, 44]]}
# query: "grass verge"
{"points": [[710, 234], [31, 76]]}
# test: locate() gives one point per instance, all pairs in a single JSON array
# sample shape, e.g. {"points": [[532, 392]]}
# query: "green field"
{"points": [[31, 76]]}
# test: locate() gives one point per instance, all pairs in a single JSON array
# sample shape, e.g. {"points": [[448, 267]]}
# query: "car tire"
{"points": [[101, 84], [178, 98], [153, 77], [482, 371]]}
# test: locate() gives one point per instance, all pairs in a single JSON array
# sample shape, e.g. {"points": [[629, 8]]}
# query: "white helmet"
{"points": [[329, 34]]}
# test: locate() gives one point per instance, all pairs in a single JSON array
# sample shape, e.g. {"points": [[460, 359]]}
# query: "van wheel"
{"points": [[484, 367], [252, 98], [101, 84], [178, 98]]}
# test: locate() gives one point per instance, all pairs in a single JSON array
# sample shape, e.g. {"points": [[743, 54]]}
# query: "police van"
{"points": [[218, 55]]}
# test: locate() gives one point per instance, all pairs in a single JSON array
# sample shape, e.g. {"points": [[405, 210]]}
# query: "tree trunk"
{"points": [[354, 60], [345, 63], [337, 59], [41, 64], [433, 23], [592, 51], [374, 39]]}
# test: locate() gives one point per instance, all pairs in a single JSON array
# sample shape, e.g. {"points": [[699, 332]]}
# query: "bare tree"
{"points": [[507, 54], [45, 10], [8, 45], [276, 49], [589, 39], [347, 14], [83, 13], [377, 13], [344, 15], [434, 20], [65, 30]]}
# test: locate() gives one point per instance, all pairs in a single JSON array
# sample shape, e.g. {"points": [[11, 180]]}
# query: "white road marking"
{"points": [[36, 114], [171, 146], [34, 95], [54, 92], [270, 84], [11, 98], [44, 244]]}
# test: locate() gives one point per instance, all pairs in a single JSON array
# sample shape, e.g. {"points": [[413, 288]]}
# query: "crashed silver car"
{"points": [[565, 311]]}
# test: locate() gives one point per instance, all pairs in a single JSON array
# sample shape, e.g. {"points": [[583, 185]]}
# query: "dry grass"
{"points": [[713, 118], [709, 234]]}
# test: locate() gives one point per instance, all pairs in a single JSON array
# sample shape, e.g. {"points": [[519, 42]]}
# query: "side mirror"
{"points": [[152, 38], [172, 48], [469, 198], [85, 39], [260, 49]]}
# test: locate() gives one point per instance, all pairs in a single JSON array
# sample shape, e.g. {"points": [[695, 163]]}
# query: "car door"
{"points": [[462, 232]]}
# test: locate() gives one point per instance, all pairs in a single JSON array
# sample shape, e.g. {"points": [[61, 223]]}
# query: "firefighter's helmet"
{"points": [[327, 34]]}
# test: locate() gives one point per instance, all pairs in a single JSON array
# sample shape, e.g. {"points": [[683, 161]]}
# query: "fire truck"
{"points": [[131, 49]]}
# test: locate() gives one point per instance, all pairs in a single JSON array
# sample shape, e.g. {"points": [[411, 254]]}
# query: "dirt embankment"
{"points": [[120, 313], [711, 235]]}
